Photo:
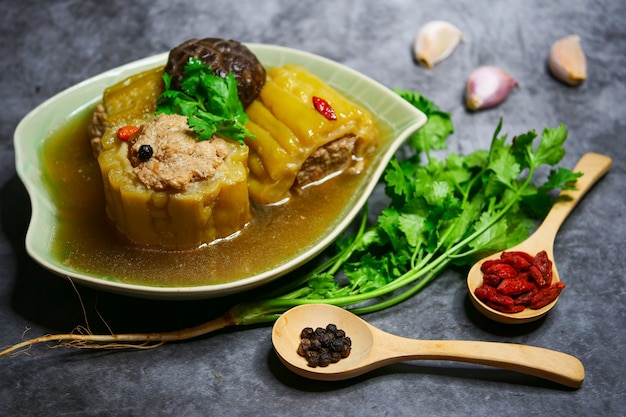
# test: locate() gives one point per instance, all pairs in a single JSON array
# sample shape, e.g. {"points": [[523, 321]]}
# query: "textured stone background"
{"points": [[49, 46]]}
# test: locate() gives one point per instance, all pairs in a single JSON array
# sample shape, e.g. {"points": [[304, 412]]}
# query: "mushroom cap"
{"points": [[223, 56]]}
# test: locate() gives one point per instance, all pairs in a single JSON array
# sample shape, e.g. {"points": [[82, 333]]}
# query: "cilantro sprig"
{"points": [[441, 213], [209, 102]]}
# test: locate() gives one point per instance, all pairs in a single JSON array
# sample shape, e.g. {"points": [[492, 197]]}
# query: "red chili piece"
{"points": [[324, 108], [126, 132], [518, 280]]}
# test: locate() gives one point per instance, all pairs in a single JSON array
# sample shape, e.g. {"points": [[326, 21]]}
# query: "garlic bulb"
{"points": [[567, 60], [487, 86], [435, 41]]}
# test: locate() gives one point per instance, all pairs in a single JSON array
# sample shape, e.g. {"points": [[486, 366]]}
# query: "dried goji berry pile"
{"points": [[518, 280]]}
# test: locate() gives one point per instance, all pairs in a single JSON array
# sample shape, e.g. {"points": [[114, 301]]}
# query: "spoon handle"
{"points": [[593, 166], [543, 363]]}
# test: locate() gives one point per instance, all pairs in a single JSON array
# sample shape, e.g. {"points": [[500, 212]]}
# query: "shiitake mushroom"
{"points": [[223, 56]]}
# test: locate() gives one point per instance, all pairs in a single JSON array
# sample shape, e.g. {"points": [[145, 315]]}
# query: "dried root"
{"points": [[82, 338]]}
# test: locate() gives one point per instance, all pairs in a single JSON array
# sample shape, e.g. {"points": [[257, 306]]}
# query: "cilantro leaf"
{"points": [[398, 185], [560, 178], [209, 102], [550, 150], [366, 275], [324, 285], [412, 225], [437, 128]]}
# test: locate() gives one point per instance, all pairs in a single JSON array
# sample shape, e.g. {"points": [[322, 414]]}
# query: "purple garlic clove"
{"points": [[487, 86]]}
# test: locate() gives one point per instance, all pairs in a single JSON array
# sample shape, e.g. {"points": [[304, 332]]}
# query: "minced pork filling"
{"points": [[178, 157]]}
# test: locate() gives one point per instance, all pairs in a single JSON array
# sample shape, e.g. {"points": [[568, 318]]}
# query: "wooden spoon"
{"points": [[593, 166], [373, 348]]}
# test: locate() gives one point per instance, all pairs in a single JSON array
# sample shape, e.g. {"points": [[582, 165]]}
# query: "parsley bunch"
{"points": [[441, 213], [209, 102]]}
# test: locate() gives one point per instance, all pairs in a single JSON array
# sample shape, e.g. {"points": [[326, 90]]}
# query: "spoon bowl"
{"points": [[373, 348], [593, 166]]}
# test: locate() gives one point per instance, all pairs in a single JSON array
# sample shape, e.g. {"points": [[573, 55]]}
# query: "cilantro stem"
{"points": [[405, 295]]}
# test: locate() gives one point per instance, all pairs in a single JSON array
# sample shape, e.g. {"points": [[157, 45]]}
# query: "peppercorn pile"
{"points": [[518, 280], [323, 346]]}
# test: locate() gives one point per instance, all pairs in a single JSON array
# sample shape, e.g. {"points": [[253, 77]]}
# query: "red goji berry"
{"points": [[504, 271], [548, 279], [525, 275], [537, 276], [516, 260], [518, 280], [525, 298], [492, 279], [546, 295], [527, 256], [489, 263], [486, 293], [545, 267], [324, 108], [496, 272], [514, 286], [506, 309], [126, 132]]}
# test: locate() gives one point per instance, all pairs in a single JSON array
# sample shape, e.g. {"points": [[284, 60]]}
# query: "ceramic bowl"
{"points": [[399, 118]]}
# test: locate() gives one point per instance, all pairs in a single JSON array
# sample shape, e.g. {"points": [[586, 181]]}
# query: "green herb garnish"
{"points": [[209, 102]]}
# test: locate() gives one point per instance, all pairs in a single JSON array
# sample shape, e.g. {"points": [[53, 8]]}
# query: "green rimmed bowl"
{"points": [[398, 120]]}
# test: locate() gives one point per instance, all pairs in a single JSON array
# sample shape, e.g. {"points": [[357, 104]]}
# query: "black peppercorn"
{"points": [[324, 359], [313, 358], [145, 152], [307, 333], [316, 344], [323, 346], [305, 345]]}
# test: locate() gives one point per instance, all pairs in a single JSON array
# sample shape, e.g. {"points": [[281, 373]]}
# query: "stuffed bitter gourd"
{"points": [[205, 210], [167, 201], [290, 131], [294, 145]]}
